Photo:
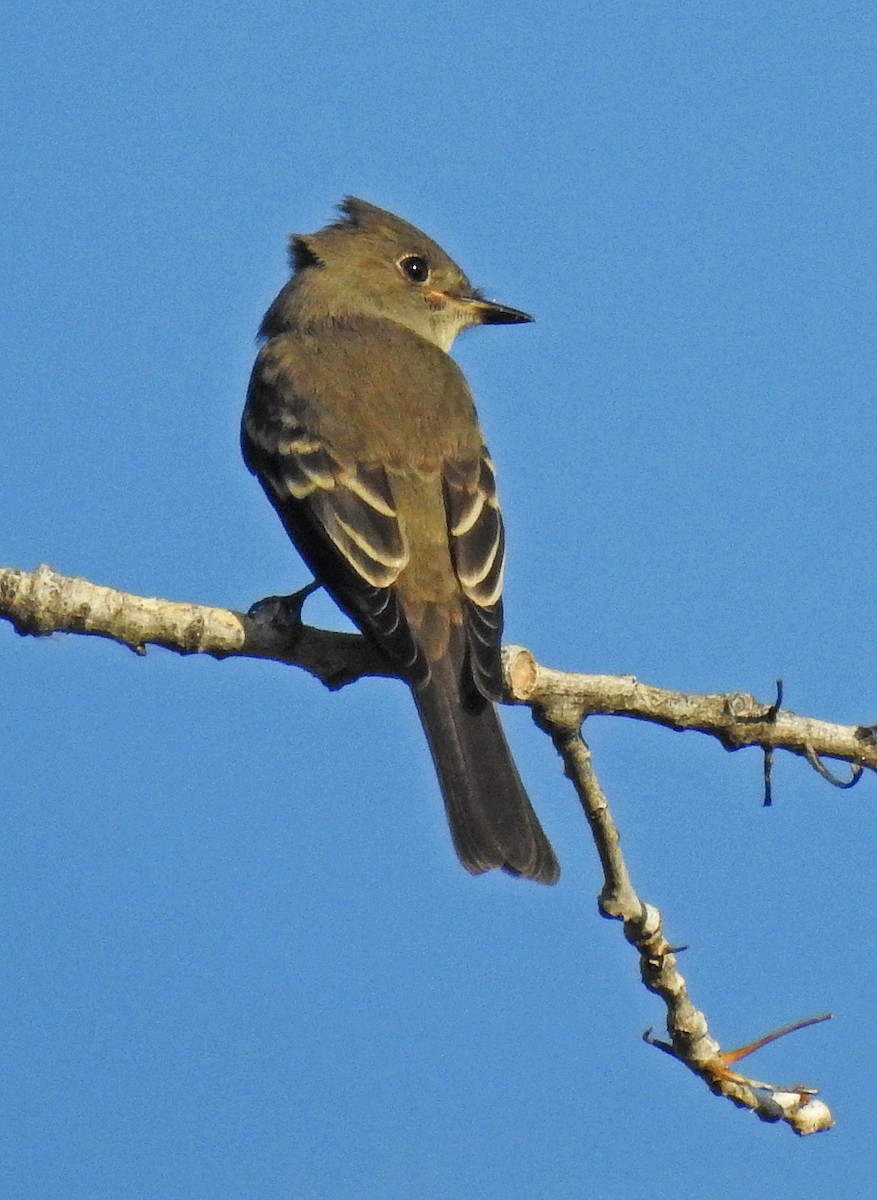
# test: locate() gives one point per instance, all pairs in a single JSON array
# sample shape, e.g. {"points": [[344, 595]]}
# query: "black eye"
{"points": [[415, 268]]}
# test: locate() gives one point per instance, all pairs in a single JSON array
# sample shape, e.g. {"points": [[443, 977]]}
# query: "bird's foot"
{"points": [[283, 612]]}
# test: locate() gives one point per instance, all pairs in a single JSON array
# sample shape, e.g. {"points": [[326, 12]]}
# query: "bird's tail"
{"points": [[492, 821]]}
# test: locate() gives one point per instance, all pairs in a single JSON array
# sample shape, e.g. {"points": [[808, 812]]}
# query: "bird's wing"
{"points": [[340, 513], [477, 542]]}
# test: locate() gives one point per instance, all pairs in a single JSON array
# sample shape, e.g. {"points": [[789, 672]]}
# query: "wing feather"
{"points": [[478, 552], [340, 513]]}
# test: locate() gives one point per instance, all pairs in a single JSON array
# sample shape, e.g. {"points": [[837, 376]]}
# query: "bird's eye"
{"points": [[415, 268]]}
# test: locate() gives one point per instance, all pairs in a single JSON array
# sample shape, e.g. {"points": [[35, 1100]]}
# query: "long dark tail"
{"points": [[492, 821]]}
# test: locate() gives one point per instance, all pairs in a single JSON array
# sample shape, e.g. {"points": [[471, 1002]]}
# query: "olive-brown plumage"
{"points": [[363, 433]]}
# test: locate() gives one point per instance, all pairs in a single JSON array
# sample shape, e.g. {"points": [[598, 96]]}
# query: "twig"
{"points": [[690, 1040]]}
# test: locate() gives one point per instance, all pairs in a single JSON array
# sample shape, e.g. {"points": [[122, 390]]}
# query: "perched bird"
{"points": [[363, 433]]}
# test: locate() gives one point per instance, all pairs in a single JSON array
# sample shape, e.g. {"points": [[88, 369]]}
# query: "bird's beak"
{"points": [[484, 312], [488, 312]]}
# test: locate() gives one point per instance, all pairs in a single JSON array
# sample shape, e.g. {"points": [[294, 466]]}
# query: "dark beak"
{"points": [[491, 313], [488, 312]]}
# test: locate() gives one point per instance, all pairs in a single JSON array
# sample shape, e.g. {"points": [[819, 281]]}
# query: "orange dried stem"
{"points": [[732, 1056]]}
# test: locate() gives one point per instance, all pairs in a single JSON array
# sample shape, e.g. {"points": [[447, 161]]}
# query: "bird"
{"points": [[363, 433]]}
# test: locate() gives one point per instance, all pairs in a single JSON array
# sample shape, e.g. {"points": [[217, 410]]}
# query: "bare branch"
{"points": [[42, 602], [736, 719]]}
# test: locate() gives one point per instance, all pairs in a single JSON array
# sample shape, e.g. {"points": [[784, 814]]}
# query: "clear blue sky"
{"points": [[239, 956]]}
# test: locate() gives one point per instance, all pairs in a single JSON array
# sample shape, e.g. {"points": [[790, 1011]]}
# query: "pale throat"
{"points": [[439, 325], [444, 326]]}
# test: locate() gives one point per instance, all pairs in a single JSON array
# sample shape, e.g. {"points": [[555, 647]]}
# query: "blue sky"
{"points": [[230, 969]]}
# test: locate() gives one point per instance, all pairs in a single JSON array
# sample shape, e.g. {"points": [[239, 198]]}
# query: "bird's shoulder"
{"points": [[345, 351], [368, 386]]}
